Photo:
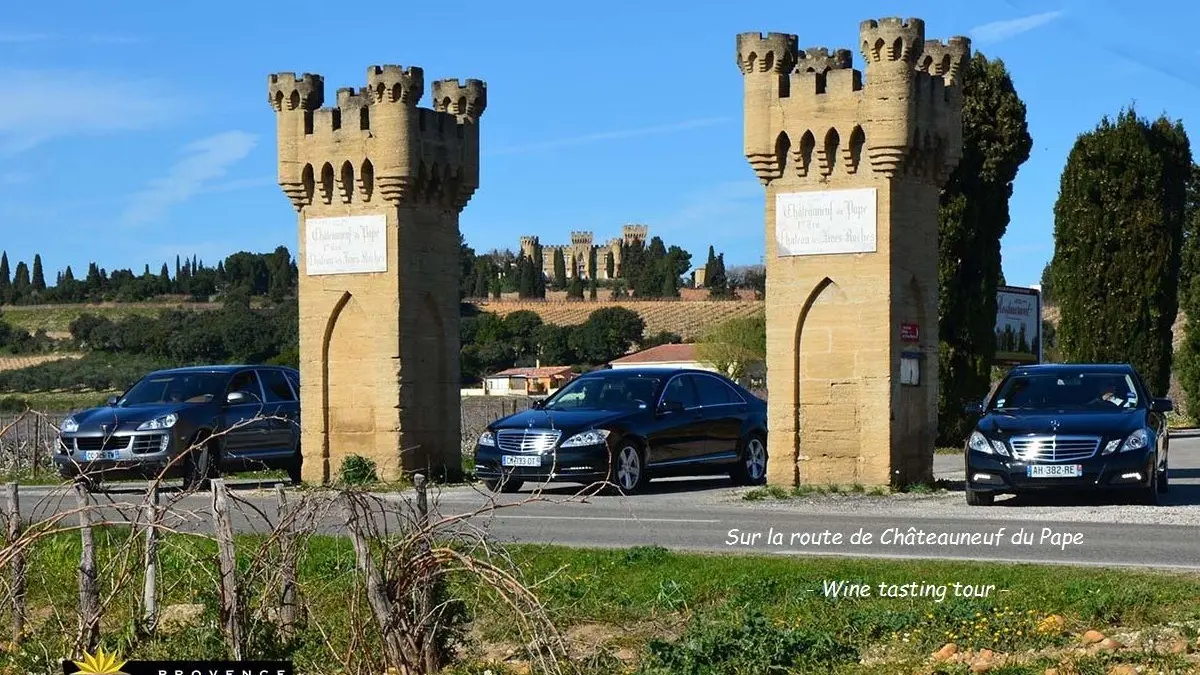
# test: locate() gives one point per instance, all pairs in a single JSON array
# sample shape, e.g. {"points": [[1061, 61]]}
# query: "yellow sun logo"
{"points": [[100, 664]]}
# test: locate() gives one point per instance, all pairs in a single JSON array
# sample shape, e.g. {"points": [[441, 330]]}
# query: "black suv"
{"points": [[1068, 426], [627, 425], [236, 418]]}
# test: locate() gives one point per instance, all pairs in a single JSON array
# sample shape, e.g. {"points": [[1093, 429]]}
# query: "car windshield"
{"points": [[1067, 391], [605, 392], [175, 388]]}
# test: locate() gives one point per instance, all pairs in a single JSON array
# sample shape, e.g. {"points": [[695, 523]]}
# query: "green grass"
{"points": [[732, 610], [54, 402]]}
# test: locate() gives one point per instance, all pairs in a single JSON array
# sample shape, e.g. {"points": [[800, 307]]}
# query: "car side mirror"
{"points": [[973, 408], [236, 397], [669, 407], [112, 401], [1162, 405]]}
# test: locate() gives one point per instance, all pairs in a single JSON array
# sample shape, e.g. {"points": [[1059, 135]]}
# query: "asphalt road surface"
{"points": [[710, 515]]}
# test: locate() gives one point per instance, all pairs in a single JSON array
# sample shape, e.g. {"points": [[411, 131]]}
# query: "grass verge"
{"points": [[646, 610]]}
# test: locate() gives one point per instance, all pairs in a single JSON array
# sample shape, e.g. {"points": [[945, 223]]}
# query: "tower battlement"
{"points": [[822, 59], [459, 98], [634, 232], [377, 137], [905, 119], [581, 238], [769, 53]]}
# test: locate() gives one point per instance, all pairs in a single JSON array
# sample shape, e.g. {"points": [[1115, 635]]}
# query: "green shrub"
{"points": [[357, 470]]}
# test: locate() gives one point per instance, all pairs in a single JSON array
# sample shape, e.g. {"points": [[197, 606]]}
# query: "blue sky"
{"points": [[133, 131]]}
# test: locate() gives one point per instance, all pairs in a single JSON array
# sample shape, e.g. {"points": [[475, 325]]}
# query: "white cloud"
{"points": [[997, 31], [11, 37], [41, 105], [609, 136], [203, 162]]}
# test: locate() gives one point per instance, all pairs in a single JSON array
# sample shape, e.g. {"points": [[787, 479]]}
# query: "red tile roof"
{"points": [[544, 371], [685, 353]]}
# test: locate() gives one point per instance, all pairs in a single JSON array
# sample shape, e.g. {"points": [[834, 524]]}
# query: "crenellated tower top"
{"points": [[811, 113], [376, 142], [581, 238]]}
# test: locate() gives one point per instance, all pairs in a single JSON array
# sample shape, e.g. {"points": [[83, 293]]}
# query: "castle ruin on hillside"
{"points": [[578, 252]]}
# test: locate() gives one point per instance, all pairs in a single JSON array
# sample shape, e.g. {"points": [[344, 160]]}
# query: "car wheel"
{"points": [[628, 471], [975, 498], [503, 485], [1163, 484], [90, 483], [751, 467], [200, 464]]}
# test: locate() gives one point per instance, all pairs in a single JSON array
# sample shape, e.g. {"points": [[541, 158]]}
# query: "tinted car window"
{"points": [[679, 390], [605, 392], [1058, 391], [714, 392], [247, 382], [276, 386], [174, 388], [294, 379]]}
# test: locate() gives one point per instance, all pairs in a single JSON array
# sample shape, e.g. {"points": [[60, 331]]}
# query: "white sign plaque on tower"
{"points": [[345, 245], [825, 222]]}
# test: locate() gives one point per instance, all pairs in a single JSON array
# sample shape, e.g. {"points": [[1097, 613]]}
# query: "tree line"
{"points": [[272, 275]]}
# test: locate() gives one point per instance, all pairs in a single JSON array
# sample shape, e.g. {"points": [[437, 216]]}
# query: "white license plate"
{"points": [[521, 460], [93, 455], [1054, 470]]}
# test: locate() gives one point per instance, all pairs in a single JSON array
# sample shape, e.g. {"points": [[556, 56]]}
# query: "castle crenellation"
{"points": [[576, 254], [378, 136], [905, 117]]}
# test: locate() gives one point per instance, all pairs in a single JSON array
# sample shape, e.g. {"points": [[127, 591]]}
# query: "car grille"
{"points": [[1054, 448], [88, 443], [147, 443], [526, 440]]}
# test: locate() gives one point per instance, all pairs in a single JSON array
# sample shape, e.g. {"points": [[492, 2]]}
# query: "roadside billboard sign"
{"points": [[1018, 326]]}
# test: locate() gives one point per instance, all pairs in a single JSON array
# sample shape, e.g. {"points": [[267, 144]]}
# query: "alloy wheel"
{"points": [[629, 468], [756, 459]]}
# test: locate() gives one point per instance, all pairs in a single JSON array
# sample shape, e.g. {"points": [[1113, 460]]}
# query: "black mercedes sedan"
{"points": [[1068, 427], [624, 426], [231, 417]]}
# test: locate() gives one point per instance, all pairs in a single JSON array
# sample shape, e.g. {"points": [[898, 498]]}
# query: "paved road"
{"points": [[709, 515]]}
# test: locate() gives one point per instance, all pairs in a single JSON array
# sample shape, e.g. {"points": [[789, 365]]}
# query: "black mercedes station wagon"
{"points": [[1068, 427], [231, 418], [625, 426]]}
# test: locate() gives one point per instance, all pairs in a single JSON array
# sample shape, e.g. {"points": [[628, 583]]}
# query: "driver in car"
{"points": [[1109, 394]]}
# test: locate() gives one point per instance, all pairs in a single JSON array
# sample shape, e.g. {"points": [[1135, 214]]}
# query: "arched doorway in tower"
{"points": [[827, 393]]}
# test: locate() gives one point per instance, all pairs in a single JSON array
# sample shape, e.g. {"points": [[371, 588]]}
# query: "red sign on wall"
{"points": [[910, 332]]}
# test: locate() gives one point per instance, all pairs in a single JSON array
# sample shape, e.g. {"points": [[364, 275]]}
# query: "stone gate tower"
{"points": [[378, 184], [853, 172]]}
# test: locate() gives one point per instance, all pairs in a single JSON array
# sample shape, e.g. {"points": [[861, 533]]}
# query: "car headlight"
{"points": [[979, 443], [164, 422], [1136, 441], [593, 437], [69, 426], [487, 438]]}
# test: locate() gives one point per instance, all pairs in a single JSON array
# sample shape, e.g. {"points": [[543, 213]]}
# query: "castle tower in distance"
{"points": [[577, 253], [852, 172], [378, 184]]}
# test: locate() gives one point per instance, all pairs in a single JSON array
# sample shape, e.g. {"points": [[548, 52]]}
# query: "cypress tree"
{"points": [[20, 284], [1118, 231], [539, 275], [972, 218], [709, 266], [610, 264], [39, 279], [5, 279], [560, 271], [1188, 362]]}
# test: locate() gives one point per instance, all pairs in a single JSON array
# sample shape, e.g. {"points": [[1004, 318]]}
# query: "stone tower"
{"points": [[378, 184], [853, 172]]}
